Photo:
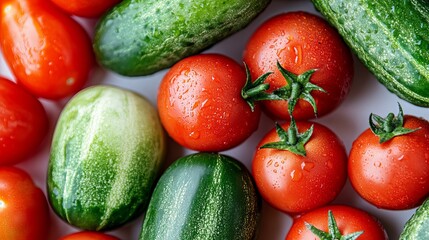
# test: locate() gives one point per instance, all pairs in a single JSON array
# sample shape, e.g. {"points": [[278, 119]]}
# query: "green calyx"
{"points": [[298, 87], [389, 127], [334, 233], [290, 139], [256, 91]]}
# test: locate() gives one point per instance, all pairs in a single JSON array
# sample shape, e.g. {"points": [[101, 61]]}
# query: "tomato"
{"points": [[90, 9], [49, 53], [23, 123], [200, 103], [294, 181], [393, 174], [88, 235], [24, 212], [301, 42], [349, 220]]}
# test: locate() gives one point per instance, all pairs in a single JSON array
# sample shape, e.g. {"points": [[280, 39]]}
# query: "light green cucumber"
{"points": [[203, 196], [106, 153], [140, 37]]}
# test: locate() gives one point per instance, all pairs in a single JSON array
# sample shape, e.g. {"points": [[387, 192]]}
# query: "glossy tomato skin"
{"points": [[349, 220], [88, 235], [84, 8], [48, 52], [200, 103], [24, 210], [295, 184], [23, 123], [301, 41], [394, 174]]}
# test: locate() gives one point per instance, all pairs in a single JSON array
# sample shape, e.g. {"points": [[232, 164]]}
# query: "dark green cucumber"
{"points": [[106, 154], [417, 227], [203, 196], [390, 37], [140, 37]]}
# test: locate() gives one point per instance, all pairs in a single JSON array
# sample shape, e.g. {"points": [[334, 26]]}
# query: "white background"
{"points": [[347, 121]]}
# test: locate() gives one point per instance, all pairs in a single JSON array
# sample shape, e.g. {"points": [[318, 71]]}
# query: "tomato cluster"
{"points": [[295, 68]]}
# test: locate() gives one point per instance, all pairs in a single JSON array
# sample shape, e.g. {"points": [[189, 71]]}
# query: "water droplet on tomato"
{"points": [[204, 103], [296, 175], [298, 54], [195, 105], [307, 166], [194, 135], [276, 164], [400, 158], [269, 163], [377, 164], [70, 81], [329, 164]]}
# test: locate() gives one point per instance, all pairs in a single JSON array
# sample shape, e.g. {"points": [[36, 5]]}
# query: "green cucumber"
{"points": [[417, 227], [106, 154], [140, 37], [390, 37], [203, 196]]}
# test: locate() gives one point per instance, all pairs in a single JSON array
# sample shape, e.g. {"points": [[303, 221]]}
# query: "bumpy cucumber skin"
{"points": [[140, 37], [203, 196], [417, 227], [390, 37], [106, 152]]}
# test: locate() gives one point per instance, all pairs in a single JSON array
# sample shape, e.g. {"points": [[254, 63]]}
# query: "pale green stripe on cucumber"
{"points": [[106, 153]]}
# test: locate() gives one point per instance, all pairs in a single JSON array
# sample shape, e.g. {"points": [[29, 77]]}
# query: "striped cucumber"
{"points": [[140, 37], [390, 37], [203, 196], [106, 152]]}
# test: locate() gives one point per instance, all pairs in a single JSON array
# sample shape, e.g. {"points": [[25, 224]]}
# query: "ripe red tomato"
{"points": [[393, 174], [200, 103], [349, 220], [300, 42], [24, 212], [295, 183], [84, 8], [88, 235], [48, 52], [23, 123]]}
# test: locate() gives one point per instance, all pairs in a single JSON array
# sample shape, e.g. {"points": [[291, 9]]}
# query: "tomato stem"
{"points": [[291, 140], [297, 87], [257, 90], [334, 231], [389, 127]]}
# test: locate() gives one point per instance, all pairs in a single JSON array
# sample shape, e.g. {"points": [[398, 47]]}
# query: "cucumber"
{"points": [[390, 37], [203, 196], [106, 154], [417, 227], [140, 37]]}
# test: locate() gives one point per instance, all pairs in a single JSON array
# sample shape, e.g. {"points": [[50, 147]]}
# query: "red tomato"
{"points": [[300, 42], [393, 174], [23, 123], [48, 52], [24, 212], [85, 8], [349, 220], [200, 103], [293, 183], [88, 235]]}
